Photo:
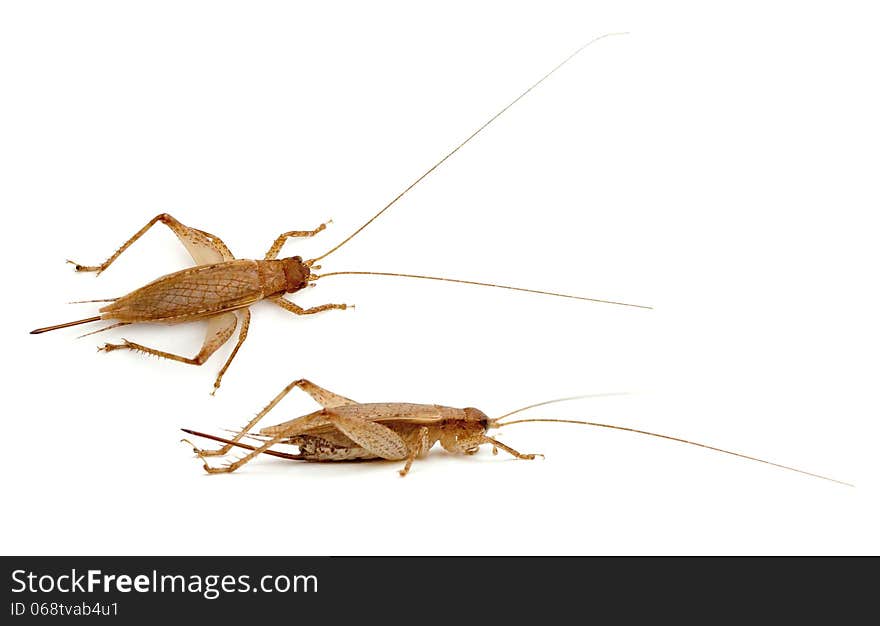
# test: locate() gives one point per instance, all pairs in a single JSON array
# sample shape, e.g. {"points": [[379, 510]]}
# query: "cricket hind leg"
{"points": [[375, 438], [234, 465], [220, 329], [287, 305], [498, 445], [283, 237], [325, 398], [203, 247]]}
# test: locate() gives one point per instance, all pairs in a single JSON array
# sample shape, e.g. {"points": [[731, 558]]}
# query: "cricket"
{"points": [[346, 430], [220, 289]]}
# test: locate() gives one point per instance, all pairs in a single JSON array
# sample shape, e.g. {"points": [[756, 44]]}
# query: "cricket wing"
{"points": [[321, 422], [375, 438], [397, 412], [190, 294]]}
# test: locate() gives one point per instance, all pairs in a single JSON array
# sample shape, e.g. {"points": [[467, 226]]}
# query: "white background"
{"points": [[719, 164]]}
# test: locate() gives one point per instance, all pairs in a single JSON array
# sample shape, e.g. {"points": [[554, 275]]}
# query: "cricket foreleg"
{"points": [[283, 237], [220, 329], [298, 310], [202, 246], [242, 335], [509, 450], [417, 447]]}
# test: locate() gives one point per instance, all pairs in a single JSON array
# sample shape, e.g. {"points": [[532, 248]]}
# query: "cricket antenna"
{"points": [[670, 438], [479, 284], [458, 147], [38, 331], [494, 422]]}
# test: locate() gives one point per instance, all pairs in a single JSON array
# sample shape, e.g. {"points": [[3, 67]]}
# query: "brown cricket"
{"points": [[346, 430], [220, 288]]}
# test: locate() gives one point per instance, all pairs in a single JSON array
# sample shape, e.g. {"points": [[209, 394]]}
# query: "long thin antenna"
{"points": [[37, 331], [282, 455], [670, 438], [569, 398], [458, 147], [479, 284]]}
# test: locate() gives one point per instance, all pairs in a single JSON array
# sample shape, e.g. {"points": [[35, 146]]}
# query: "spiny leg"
{"points": [[509, 450], [418, 446], [220, 329], [216, 243], [242, 335], [203, 247], [302, 383], [231, 467], [282, 238], [324, 397], [295, 427], [298, 310], [377, 439]]}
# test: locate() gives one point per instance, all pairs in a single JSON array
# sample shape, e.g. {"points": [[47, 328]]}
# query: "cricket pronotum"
{"points": [[220, 288], [345, 430]]}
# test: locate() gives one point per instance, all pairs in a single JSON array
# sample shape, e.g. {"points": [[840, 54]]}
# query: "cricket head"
{"points": [[296, 273]]}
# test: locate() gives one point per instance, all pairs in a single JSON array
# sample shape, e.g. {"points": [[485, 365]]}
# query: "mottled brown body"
{"points": [[420, 426], [204, 291], [220, 289], [345, 430]]}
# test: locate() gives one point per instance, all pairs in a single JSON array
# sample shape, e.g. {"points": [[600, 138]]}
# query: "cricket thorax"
{"points": [[279, 276], [464, 435]]}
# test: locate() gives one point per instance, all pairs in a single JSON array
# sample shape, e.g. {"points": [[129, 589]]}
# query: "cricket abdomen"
{"points": [[199, 292], [313, 448]]}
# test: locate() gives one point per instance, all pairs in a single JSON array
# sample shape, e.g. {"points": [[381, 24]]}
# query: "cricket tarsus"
{"points": [[38, 331], [678, 439], [479, 284], [459, 147]]}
